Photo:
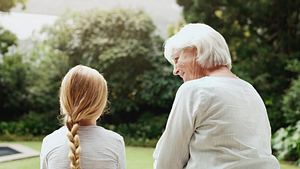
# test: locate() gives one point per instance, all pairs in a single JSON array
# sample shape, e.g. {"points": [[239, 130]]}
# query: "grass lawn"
{"points": [[136, 157]]}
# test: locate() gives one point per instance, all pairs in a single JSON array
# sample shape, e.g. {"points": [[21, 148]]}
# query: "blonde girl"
{"points": [[80, 143]]}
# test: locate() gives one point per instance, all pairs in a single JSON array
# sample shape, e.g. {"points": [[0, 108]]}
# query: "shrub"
{"points": [[286, 143], [145, 132], [14, 82], [7, 39], [30, 125], [291, 104]]}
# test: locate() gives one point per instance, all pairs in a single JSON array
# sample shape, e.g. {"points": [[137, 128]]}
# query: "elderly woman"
{"points": [[217, 121]]}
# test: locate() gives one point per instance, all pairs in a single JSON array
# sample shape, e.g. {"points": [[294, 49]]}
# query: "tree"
{"points": [[13, 85], [7, 39], [123, 46], [263, 37], [6, 5], [47, 67], [13, 74]]}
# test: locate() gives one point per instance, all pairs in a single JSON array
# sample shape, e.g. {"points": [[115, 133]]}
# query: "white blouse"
{"points": [[100, 149], [216, 123]]}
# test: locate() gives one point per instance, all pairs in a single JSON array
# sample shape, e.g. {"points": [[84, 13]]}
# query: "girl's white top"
{"points": [[216, 123], [100, 149]]}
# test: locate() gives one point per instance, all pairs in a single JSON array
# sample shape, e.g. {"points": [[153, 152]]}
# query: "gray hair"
{"points": [[212, 49]]}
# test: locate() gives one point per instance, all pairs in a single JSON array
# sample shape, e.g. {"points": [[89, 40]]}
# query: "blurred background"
{"points": [[123, 39]]}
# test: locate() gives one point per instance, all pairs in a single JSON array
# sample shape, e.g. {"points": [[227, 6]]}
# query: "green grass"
{"points": [[284, 165], [136, 157]]}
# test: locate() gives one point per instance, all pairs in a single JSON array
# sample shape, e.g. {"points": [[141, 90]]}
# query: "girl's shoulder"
{"points": [[110, 134], [53, 140]]}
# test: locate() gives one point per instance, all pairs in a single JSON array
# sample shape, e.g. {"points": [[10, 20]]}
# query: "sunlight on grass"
{"points": [[138, 157], [30, 163], [284, 165]]}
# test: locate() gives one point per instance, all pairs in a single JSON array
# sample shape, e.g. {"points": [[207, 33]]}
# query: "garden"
{"points": [[263, 37]]}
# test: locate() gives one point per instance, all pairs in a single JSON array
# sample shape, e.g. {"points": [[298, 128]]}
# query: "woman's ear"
{"points": [[194, 51]]}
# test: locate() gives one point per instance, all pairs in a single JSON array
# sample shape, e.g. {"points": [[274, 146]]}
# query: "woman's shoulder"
{"points": [[196, 86]]}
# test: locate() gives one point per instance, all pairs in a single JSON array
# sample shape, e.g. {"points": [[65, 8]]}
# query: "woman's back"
{"points": [[100, 149]]}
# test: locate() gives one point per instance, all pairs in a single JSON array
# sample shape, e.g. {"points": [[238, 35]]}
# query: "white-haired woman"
{"points": [[80, 143], [217, 121]]}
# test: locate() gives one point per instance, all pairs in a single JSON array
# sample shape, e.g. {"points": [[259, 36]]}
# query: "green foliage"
{"points": [[286, 143], [14, 74], [144, 132], [146, 127], [101, 37], [263, 37], [172, 29], [291, 104], [123, 46], [31, 124], [7, 39], [48, 66], [14, 80], [6, 5]]}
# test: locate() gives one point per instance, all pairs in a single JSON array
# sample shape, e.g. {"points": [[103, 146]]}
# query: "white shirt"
{"points": [[100, 149], [216, 123]]}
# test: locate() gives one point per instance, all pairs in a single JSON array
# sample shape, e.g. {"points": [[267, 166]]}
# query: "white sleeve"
{"points": [[122, 156], [43, 161], [172, 149]]}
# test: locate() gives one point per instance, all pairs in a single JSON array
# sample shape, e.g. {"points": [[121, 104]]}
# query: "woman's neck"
{"points": [[221, 71]]}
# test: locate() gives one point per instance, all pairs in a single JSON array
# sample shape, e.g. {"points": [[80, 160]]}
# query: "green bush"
{"points": [[14, 83], [34, 126], [286, 143], [140, 142], [31, 125], [291, 104], [38, 124], [7, 39], [145, 132], [7, 128]]}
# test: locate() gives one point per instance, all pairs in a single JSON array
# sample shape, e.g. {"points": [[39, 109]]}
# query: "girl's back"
{"points": [[100, 149], [80, 143]]}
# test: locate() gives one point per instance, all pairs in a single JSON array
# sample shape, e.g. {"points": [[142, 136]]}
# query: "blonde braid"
{"points": [[74, 143], [83, 97]]}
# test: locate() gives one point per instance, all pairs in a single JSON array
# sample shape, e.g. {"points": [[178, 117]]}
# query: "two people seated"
{"points": [[217, 121]]}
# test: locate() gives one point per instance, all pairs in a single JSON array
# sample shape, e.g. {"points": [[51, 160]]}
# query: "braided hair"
{"points": [[74, 144], [83, 96]]}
